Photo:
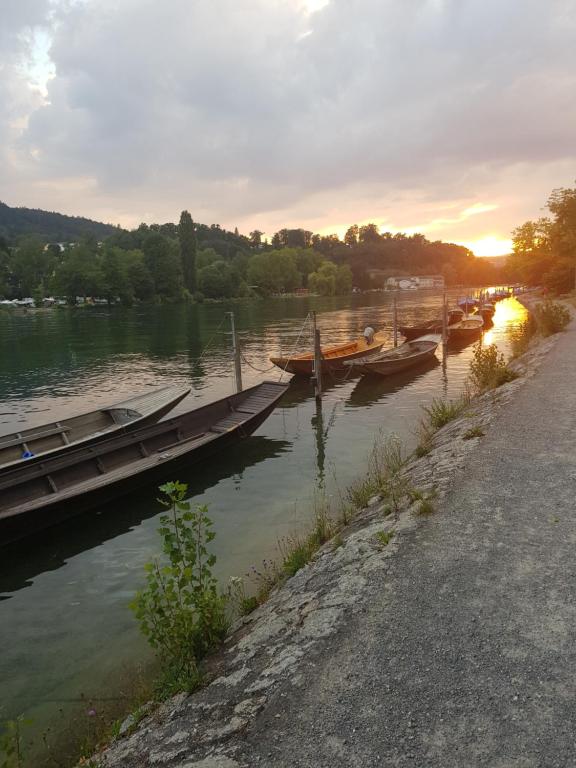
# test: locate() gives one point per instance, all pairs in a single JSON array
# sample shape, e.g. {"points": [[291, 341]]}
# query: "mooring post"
{"points": [[317, 361], [395, 320], [236, 353], [444, 319]]}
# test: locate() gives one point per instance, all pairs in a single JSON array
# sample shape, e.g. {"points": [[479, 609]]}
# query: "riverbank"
{"points": [[275, 650]]}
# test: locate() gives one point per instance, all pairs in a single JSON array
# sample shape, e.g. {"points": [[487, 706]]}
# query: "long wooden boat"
{"points": [[411, 332], [466, 330], [486, 311], [333, 358], [33, 497], [34, 444], [398, 359]]}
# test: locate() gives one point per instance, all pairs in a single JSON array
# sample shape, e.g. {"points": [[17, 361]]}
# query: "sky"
{"points": [[454, 118]]}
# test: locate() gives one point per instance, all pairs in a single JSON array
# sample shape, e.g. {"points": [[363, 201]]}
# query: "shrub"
{"points": [[384, 537], [488, 369], [441, 412], [180, 611], [551, 317], [473, 432]]}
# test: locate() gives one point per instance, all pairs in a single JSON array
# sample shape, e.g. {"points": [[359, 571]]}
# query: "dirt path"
{"points": [[465, 654]]}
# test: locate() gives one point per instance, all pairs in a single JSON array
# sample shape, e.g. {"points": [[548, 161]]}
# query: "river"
{"points": [[65, 628]]}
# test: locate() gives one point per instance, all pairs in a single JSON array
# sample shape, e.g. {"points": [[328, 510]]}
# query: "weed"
{"points": [[361, 491], [265, 578], [476, 431], [551, 317], [296, 553], [488, 369], [180, 611], [241, 602], [11, 744], [337, 542], [441, 412], [425, 507], [384, 537]]}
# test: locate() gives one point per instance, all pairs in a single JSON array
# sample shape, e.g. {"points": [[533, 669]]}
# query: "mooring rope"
{"points": [[211, 339], [304, 324]]}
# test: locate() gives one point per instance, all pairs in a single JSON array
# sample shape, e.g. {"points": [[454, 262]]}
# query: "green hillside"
{"points": [[51, 227]]}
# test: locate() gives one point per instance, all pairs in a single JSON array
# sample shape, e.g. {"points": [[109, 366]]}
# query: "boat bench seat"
{"points": [[36, 436]]}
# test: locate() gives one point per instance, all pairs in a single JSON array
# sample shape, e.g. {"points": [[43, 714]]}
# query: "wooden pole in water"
{"points": [[317, 361], [236, 353], [395, 320], [444, 319]]}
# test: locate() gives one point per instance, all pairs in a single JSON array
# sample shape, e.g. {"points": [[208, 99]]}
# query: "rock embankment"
{"points": [[272, 652]]}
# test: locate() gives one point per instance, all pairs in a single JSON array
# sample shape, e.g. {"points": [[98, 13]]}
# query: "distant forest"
{"points": [[192, 261]]}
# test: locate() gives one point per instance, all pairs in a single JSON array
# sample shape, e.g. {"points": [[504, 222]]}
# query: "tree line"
{"points": [[188, 260], [544, 251]]}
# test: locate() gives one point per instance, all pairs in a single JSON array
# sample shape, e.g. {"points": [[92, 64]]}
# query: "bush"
{"points": [[488, 369], [551, 317], [441, 412], [180, 611]]}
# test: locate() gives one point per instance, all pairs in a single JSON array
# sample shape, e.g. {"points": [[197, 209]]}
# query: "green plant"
{"points": [[361, 491], [265, 578], [384, 537], [180, 611], [440, 412], [488, 369], [239, 599], [337, 542], [11, 744], [551, 317], [425, 507], [476, 431]]}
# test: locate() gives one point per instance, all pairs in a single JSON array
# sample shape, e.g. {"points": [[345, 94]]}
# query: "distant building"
{"points": [[413, 283]]}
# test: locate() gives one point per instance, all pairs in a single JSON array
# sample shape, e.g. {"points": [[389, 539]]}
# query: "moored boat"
{"points": [[411, 332], [35, 443], [486, 311], [333, 358], [33, 497], [398, 359], [466, 330]]}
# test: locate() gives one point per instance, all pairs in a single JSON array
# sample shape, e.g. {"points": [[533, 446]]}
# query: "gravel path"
{"points": [[467, 652]]}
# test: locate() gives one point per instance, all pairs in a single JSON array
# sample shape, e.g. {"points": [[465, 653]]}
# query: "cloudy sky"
{"points": [[455, 118]]}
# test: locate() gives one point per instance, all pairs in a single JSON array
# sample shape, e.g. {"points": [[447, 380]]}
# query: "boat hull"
{"points": [[397, 360], [159, 465], [69, 434], [333, 360]]}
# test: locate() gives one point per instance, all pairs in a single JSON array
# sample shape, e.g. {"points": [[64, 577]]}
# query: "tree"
{"points": [[162, 258], [256, 238], [218, 280], [323, 281], [351, 236], [187, 241], [274, 271], [343, 280], [369, 233]]}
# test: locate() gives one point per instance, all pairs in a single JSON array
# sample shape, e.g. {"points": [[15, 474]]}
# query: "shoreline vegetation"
{"points": [[186, 617]]}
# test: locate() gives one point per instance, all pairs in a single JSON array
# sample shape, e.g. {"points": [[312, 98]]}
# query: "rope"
{"points": [[305, 323], [254, 368], [211, 339]]}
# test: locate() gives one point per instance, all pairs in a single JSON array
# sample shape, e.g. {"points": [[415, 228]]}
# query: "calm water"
{"points": [[65, 628]]}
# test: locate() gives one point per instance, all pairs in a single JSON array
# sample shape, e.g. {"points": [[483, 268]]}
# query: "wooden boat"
{"points": [[333, 358], [467, 329], [398, 359], [432, 326], [33, 497], [34, 444], [486, 311], [468, 303]]}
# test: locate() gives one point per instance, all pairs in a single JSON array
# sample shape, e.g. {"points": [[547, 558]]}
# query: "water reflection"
{"points": [[66, 619], [52, 548]]}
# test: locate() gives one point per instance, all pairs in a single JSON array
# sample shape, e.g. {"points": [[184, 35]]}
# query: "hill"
{"points": [[49, 226]]}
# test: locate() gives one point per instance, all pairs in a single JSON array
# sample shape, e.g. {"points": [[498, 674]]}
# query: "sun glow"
{"points": [[490, 246]]}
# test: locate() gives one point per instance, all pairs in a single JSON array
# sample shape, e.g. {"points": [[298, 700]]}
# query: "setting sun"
{"points": [[490, 246]]}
